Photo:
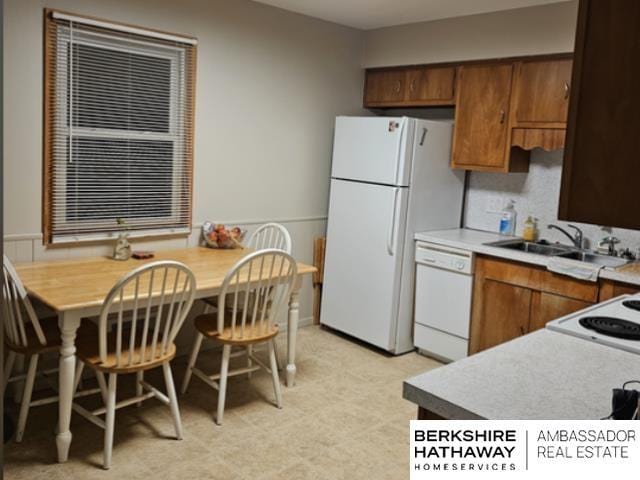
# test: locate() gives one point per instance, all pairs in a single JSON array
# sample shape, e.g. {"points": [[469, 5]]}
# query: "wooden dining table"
{"points": [[76, 289]]}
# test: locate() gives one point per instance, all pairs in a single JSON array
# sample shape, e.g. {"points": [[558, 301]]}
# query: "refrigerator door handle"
{"points": [[402, 125], [391, 239], [424, 134]]}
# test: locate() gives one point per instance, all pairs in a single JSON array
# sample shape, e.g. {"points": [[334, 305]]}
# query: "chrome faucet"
{"points": [[576, 239], [610, 244]]}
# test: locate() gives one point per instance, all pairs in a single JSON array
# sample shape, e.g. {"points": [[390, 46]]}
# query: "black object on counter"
{"points": [[624, 403]]}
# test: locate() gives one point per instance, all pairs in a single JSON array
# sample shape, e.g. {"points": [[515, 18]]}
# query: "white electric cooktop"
{"points": [[615, 323]]}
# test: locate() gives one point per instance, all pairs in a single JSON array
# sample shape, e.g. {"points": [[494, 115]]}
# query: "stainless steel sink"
{"points": [[563, 251], [595, 259], [530, 247]]}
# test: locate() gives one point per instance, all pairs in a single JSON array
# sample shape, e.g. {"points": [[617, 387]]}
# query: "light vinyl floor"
{"points": [[344, 419]]}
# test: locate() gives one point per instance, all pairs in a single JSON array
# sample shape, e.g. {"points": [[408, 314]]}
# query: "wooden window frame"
{"points": [[49, 98]]}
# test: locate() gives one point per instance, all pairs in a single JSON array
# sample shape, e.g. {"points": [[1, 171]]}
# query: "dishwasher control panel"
{"points": [[444, 257]]}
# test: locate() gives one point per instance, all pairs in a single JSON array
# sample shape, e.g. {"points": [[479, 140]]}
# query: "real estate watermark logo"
{"points": [[522, 449]]}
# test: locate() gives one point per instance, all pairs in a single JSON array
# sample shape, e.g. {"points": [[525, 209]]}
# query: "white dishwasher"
{"points": [[444, 282]]}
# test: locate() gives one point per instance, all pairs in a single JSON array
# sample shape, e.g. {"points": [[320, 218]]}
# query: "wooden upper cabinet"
{"points": [[541, 94], [481, 123], [384, 87], [430, 86], [600, 167], [409, 87], [504, 108]]}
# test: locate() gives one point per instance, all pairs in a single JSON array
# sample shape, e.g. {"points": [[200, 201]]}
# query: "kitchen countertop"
{"points": [[543, 375], [474, 240]]}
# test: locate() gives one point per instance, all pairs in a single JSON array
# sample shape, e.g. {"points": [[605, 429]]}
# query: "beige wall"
{"points": [[523, 31], [269, 85]]}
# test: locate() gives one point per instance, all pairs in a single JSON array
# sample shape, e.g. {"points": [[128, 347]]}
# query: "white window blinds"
{"points": [[118, 129]]}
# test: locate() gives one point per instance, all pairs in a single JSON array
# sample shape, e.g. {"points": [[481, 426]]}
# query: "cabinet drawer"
{"points": [[514, 273], [568, 287]]}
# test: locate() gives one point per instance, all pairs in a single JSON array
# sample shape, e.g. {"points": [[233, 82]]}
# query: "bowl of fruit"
{"points": [[217, 235]]}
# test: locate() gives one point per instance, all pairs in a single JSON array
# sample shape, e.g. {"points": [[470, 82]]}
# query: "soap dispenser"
{"points": [[508, 219], [530, 230]]}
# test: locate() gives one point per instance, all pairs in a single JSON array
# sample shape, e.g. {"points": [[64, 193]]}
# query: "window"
{"points": [[118, 129]]}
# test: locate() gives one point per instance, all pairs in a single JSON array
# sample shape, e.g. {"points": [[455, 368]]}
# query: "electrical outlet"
{"points": [[494, 204]]}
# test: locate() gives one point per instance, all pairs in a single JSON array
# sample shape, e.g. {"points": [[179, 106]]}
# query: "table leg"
{"points": [[292, 332], [68, 323]]}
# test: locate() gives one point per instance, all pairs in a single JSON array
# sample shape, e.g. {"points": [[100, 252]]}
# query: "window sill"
{"points": [[70, 240]]}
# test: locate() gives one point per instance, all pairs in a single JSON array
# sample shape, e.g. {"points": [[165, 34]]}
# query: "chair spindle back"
{"points": [[17, 309], [270, 235], [255, 291], [168, 290]]}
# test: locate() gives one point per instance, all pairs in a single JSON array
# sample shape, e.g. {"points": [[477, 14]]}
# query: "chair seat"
{"points": [[87, 350], [51, 333], [207, 324]]}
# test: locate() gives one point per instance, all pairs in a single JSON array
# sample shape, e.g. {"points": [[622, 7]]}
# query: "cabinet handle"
{"points": [[412, 87], [566, 90], [502, 115], [397, 87]]}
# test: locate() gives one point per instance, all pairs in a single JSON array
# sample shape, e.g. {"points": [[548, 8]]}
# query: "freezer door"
{"points": [[372, 149], [365, 238]]}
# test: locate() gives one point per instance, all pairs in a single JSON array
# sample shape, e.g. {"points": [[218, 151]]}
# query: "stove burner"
{"points": [[612, 327], [632, 304]]}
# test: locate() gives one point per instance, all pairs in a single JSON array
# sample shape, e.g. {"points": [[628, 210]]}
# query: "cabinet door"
{"points": [[384, 87], [430, 86], [503, 314], [547, 306], [542, 92], [610, 289], [482, 108], [600, 167]]}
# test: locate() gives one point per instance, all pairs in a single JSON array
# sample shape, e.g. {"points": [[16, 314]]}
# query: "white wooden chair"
{"points": [[141, 341], [257, 288], [269, 235], [26, 334]]}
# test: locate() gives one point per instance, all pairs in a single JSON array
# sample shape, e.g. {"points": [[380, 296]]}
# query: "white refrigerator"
{"points": [[390, 178]]}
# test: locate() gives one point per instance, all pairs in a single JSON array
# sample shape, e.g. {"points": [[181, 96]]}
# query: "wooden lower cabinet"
{"points": [[610, 289], [502, 314], [511, 299], [547, 306], [424, 414]]}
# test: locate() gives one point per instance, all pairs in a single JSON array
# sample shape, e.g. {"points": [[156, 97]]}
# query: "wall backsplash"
{"points": [[536, 193]]}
